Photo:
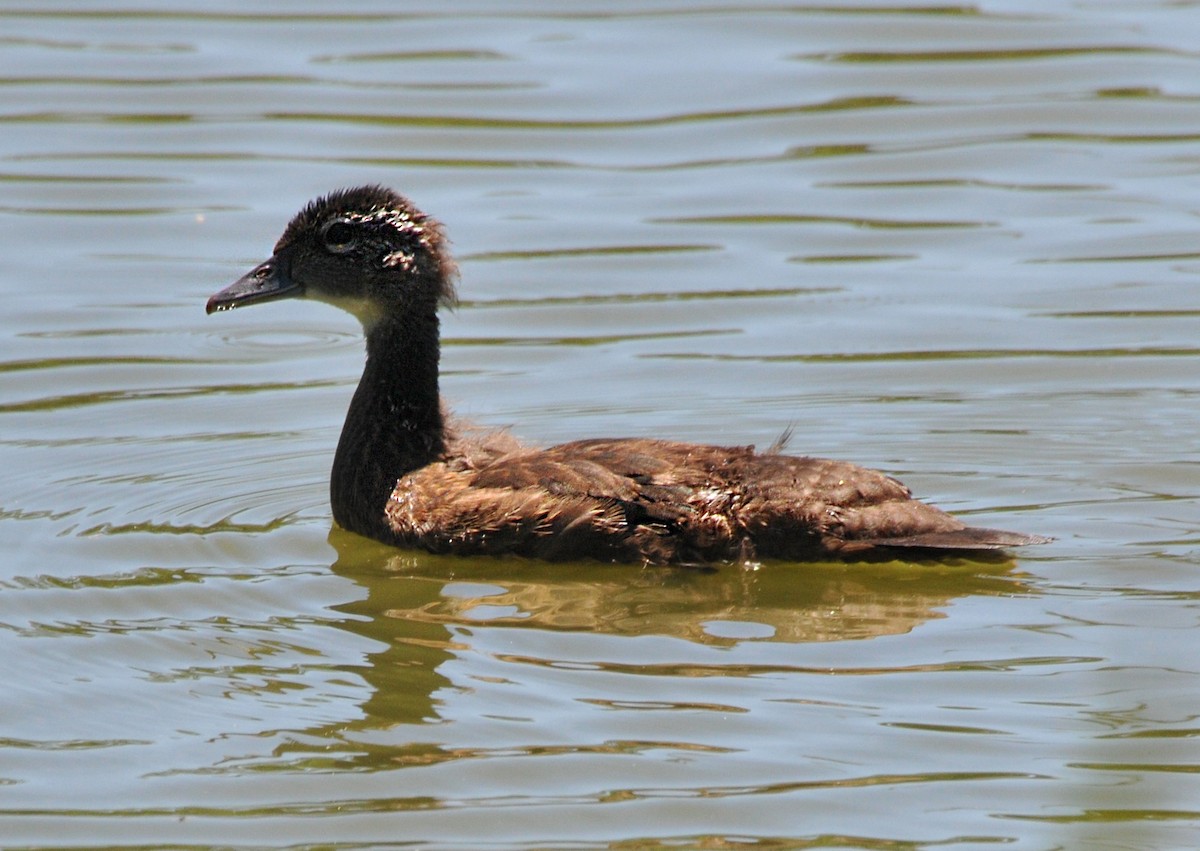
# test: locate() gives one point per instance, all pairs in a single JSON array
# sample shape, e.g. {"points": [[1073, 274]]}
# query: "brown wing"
{"points": [[661, 501]]}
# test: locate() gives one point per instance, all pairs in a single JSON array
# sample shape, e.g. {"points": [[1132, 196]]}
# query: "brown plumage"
{"points": [[403, 475]]}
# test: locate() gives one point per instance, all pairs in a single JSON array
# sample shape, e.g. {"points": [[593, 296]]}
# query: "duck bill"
{"points": [[265, 282]]}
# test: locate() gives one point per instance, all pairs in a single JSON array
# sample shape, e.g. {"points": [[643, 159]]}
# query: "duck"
{"points": [[408, 474]]}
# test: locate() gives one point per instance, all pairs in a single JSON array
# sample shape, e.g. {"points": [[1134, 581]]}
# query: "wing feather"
{"points": [[663, 501]]}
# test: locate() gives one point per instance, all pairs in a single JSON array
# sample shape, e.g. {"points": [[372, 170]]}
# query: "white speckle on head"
{"points": [[408, 227], [402, 221], [404, 260]]}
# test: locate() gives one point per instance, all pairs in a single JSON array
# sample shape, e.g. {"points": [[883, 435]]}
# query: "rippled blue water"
{"points": [[953, 242]]}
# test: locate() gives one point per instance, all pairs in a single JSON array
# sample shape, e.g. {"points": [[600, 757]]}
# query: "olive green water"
{"points": [[958, 243]]}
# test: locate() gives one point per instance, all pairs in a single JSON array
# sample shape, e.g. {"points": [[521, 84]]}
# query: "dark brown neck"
{"points": [[394, 424]]}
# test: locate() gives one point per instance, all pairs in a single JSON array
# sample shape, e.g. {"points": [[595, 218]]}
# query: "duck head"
{"points": [[367, 250]]}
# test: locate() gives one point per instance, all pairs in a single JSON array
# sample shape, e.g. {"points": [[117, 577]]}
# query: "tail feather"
{"points": [[970, 538]]}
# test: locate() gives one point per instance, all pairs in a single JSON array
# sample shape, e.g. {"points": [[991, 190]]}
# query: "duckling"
{"points": [[404, 473]]}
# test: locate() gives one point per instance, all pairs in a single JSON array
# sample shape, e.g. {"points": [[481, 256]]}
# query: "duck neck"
{"points": [[394, 424]]}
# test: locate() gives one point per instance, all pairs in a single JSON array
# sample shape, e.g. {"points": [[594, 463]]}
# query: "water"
{"points": [[954, 242]]}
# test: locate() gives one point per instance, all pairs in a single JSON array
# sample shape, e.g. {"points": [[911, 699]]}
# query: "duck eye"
{"points": [[339, 236]]}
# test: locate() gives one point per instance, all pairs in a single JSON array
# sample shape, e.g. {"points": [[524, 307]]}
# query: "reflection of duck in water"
{"points": [[828, 601], [438, 651], [403, 476]]}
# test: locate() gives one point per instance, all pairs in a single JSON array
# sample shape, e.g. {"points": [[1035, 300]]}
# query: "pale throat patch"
{"points": [[367, 310]]}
